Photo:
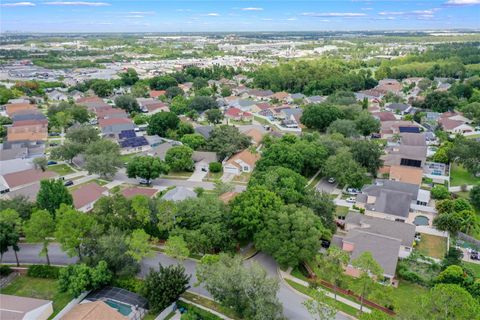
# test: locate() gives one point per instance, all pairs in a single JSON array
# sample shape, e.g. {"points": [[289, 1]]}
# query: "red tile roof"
{"points": [[233, 112], [157, 93]]}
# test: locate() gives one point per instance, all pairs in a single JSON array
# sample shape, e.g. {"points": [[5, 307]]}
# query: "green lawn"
{"points": [[100, 182], [178, 175], [38, 288], [338, 305], [460, 176], [404, 293], [432, 246], [210, 304], [125, 158], [341, 211], [212, 176], [475, 267], [62, 169]]}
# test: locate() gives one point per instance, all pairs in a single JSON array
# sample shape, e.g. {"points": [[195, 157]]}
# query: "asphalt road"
{"points": [[161, 182], [291, 300]]}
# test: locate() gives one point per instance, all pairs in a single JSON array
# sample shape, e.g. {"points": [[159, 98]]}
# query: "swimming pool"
{"points": [[121, 307], [421, 221]]}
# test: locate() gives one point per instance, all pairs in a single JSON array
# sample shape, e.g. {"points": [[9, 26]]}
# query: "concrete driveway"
{"points": [[324, 186], [198, 175]]}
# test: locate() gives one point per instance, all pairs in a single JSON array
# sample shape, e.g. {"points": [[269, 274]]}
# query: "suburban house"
{"points": [[86, 195], [129, 142], [152, 106], [237, 114], [392, 200], [280, 96], [315, 99], [406, 174], [454, 122], [56, 95], [13, 108], [365, 233], [243, 161], [22, 308], [115, 125], [259, 94], [256, 135], [399, 108], [156, 93], [130, 192], [110, 113], [203, 159], [384, 116], [30, 131], [389, 85], [26, 177], [109, 303], [17, 155], [204, 131], [98, 310]]}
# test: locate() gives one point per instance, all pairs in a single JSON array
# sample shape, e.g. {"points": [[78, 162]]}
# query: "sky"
{"points": [[236, 15]]}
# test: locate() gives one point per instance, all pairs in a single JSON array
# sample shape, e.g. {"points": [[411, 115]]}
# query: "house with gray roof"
{"points": [[204, 131], [179, 194], [399, 108], [391, 199], [384, 250]]}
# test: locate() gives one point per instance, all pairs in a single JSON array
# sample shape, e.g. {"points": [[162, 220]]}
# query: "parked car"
{"points": [[325, 244], [351, 200], [54, 134], [331, 180], [53, 144], [51, 162], [144, 181], [68, 183], [353, 191]]}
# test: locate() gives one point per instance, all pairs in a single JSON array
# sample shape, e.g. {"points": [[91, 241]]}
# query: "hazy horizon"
{"points": [[117, 16]]}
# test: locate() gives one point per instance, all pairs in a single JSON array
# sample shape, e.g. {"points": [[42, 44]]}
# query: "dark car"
{"points": [[54, 134], [51, 162], [68, 183], [325, 244]]}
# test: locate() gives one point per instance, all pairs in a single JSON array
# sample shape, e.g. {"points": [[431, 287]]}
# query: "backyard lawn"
{"points": [[62, 169], [38, 288], [432, 246], [460, 176]]}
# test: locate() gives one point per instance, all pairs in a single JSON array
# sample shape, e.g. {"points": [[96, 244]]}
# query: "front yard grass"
{"points": [[100, 182], [47, 289], [432, 246], [62, 169], [338, 305], [213, 176], [460, 176], [341, 211], [475, 267], [209, 304], [178, 175]]}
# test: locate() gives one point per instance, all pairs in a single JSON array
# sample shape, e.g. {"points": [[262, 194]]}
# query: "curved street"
{"points": [[291, 300]]}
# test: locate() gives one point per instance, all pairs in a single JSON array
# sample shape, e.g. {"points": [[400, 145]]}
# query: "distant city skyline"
{"points": [[235, 15]]}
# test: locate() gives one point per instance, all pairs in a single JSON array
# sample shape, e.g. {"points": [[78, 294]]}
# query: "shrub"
{"points": [[5, 270], [43, 271], [215, 167], [440, 192], [195, 312], [128, 283]]}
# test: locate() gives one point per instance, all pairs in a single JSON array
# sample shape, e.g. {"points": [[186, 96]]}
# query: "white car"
{"points": [[351, 200], [331, 180]]}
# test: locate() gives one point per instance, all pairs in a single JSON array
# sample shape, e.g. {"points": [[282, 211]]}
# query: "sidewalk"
{"points": [[285, 275]]}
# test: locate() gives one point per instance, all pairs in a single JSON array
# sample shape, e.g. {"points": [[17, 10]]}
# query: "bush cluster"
{"points": [[43, 271]]}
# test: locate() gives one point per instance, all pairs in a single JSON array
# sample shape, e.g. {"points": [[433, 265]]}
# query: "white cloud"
{"points": [[267, 19], [390, 13], [18, 4], [291, 19], [420, 13], [135, 16], [77, 3], [333, 14], [462, 2], [251, 9], [142, 12], [213, 14]]}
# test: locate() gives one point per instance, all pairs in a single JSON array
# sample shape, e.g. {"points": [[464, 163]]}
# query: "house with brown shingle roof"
{"points": [[135, 191], [109, 112], [13, 108], [256, 135], [96, 310], [384, 116], [406, 174], [20, 178], [28, 130], [156, 93], [243, 161], [455, 122], [86, 195]]}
